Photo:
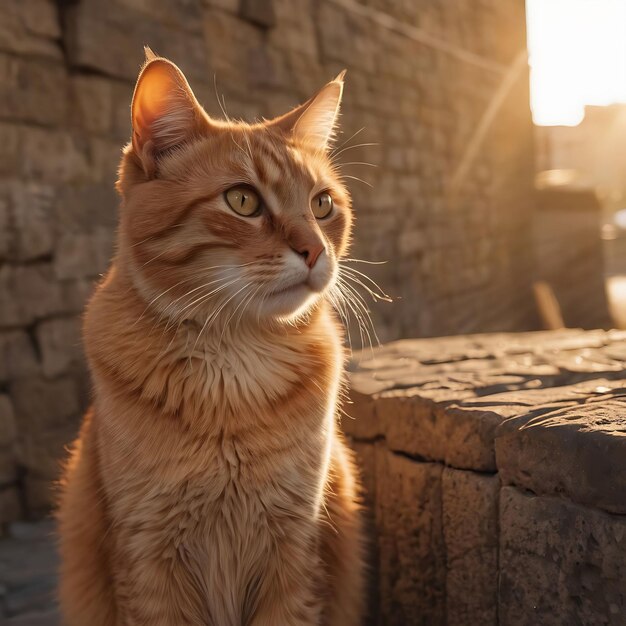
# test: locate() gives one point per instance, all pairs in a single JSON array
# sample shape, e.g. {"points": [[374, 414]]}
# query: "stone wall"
{"points": [[495, 476], [421, 75], [569, 254]]}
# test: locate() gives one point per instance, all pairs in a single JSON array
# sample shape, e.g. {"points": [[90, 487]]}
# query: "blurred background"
{"points": [[495, 192]]}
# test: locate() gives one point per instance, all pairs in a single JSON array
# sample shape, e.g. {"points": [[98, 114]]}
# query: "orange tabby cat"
{"points": [[210, 484]]}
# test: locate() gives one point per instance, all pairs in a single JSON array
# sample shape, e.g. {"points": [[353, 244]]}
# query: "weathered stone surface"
{"points": [[76, 293], [10, 508], [28, 293], [577, 451], [29, 90], [10, 141], [59, 342], [53, 156], [41, 404], [8, 436], [541, 411], [17, 356], [89, 23], [259, 12], [410, 540], [560, 564], [40, 493], [29, 226], [443, 399], [83, 254], [470, 526], [8, 431], [30, 28], [93, 102]]}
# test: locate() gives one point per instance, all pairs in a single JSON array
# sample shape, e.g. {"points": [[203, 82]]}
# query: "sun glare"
{"points": [[577, 54]]}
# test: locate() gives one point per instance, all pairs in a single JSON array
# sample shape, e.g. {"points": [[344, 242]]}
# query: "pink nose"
{"points": [[310, 252]]}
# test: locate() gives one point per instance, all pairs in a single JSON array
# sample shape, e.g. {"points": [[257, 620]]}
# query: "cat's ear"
{"points": [[165, 112], [314, 123]]}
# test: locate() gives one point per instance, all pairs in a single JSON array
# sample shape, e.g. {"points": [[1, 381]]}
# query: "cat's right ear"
{"points": [[165, 113]]}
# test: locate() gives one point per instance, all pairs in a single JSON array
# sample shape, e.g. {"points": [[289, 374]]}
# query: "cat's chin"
{"points": [[289, 302]]}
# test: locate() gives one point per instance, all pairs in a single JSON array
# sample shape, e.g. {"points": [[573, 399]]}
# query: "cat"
{"points": [[210, 484]]}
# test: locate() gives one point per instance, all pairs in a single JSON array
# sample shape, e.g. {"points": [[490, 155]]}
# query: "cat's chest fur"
{"points": [[238, 434]]}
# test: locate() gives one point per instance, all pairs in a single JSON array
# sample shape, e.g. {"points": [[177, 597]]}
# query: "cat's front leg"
{"points": [[289, 594]]}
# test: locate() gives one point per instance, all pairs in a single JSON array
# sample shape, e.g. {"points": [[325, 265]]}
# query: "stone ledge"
{"points": [[504, 402], [495, 470]]}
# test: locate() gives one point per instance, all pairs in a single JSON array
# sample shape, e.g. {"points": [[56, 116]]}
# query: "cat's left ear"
{"points": [[314, 123], [165, 112]]}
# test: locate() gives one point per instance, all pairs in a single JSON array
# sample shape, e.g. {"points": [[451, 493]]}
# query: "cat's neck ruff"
{"points": [[219, 371]]}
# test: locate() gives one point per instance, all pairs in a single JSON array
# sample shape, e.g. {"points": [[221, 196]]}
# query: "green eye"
{"points": [[322, 205], [243, 200]]}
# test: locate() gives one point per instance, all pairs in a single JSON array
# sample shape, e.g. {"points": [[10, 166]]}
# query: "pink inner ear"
{"points": [[163, 108], [316, 125]]}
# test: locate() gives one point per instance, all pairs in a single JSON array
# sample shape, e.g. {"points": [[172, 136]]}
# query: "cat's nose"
{"points": [[310, 252]]}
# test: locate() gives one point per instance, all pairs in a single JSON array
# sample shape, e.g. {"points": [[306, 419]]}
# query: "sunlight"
{"points": [[577, 54]]}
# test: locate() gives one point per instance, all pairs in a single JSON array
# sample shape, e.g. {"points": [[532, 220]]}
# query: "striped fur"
{"points": [[209, 484]]}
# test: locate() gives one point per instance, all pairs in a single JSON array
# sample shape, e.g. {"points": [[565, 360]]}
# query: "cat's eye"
{"points": [[243, 200], [322, 205]]}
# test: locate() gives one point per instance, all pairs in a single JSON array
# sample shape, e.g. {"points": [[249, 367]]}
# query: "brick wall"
{"points": [[421, 75]]}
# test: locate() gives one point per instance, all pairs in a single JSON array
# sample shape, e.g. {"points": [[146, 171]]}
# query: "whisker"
{"points": [[358, 179], [358, 145], [357, 163], [378, 295], [360, 304], [350, 138], [206, 296], [364, 261], [222, 105], [230, 317]]}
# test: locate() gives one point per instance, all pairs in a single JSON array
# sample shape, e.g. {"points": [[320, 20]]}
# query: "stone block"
{"points": [[60, 345], [10, 506], [30, 28], [81, 255], [470, 526], [560, 563], [577, 451], [42, 405], [29, 206], [17, 356], [230, 39], [10, 142], [28, 293], [90, 24], [54, 156], [41, 495], [412, 566], [32, 90], [260, 12], [76, 293], [8, 466], [92, 100], [6, 232], [470, 437], [231, 6], [83, 208], [41, 454], [359, 418], [8, 430], [184, 15]]}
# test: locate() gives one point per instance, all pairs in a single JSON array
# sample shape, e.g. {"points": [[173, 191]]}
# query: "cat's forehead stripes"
{"points": [[283, 176]]}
